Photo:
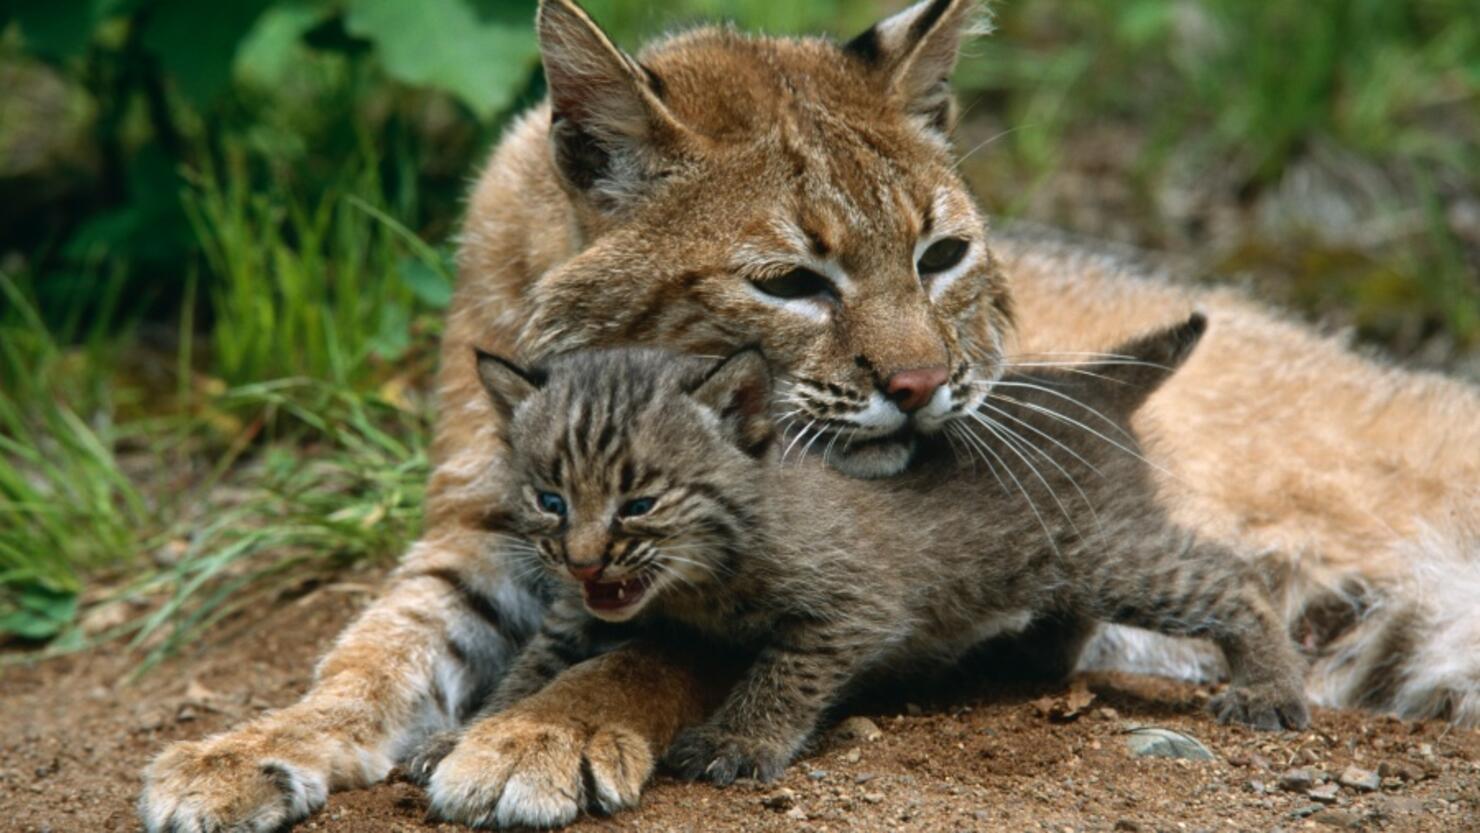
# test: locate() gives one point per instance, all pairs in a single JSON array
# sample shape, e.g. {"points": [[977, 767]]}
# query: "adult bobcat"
{"points": [[728, 189]]}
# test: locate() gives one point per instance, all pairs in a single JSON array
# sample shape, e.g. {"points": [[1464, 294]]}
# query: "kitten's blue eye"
{"points": [[637, 506], [551, 502]]}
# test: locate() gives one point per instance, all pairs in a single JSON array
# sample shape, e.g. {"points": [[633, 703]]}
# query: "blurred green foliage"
{"points": [[224, 233]]}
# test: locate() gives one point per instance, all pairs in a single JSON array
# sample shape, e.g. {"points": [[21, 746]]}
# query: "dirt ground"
{"points": [[73, 739]]}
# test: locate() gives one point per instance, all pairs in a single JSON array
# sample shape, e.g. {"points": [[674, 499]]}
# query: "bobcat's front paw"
{"points": [[715, 754], [1265, 707], [518, 770], [226, 783]]}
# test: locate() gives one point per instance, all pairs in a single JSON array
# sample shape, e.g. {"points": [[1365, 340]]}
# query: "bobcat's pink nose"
{"points": [[911, 389]]}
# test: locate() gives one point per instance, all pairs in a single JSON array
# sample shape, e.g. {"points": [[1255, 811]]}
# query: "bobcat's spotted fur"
{"points": [[654, 200]]}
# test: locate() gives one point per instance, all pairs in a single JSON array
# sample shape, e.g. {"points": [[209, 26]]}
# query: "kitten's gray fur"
{"points": [[831, 581]]}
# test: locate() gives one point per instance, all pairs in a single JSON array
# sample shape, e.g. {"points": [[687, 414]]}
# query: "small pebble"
{"points": [[1325, 793], [781, 799], [1357, 778], [1297, 780]]}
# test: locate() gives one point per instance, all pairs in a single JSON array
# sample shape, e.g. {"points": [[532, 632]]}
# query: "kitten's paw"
{"points": [[515, 770], [1267, 708], [226, 783], [423, 760], [714, 754]]}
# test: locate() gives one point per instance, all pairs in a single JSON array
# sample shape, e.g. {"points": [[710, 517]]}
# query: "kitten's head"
{"points": [[630, 472], [798, 193]]}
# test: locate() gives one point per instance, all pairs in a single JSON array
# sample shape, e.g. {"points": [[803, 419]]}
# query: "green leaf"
{"points": [[429, 285], [273, 50], [56, 29], [196, 42], [443, 44], [394, 337], [149, 226], [39, 612]]}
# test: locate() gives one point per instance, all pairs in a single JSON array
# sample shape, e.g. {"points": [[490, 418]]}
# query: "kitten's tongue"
{"points": [[614, 595]]}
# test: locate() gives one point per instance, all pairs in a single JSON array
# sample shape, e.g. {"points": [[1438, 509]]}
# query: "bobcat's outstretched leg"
{"points": [[587, 741], [421, 658]]}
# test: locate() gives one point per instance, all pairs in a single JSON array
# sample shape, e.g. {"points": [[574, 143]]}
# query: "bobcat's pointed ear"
{"points": [[507, 383], [738, 391], [915, 51], [607, 121]]}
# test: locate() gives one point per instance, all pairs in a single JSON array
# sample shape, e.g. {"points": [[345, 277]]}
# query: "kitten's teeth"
{"points": [[621, 592]]}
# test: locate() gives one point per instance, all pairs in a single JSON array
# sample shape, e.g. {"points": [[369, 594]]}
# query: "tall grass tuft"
{"points": [[66, 506]]}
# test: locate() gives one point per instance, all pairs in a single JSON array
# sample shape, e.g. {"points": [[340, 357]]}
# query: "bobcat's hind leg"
{"points": [[418, 659]]}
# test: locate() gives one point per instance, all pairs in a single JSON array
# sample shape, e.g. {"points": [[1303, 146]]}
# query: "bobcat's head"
{"points": [[797, 194]]}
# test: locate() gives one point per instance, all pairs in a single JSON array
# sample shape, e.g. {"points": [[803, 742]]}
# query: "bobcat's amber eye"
{"points": [[636, 507], [942, 255], [798, 283], [550, 502]]}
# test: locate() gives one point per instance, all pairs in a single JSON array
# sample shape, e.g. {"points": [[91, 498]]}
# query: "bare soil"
{"points": [[74, 736]]}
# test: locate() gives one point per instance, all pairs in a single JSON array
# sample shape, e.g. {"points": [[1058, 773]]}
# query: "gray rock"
{"points": [[1297, 780], [1156, 742], [1357, 778], [1325, 793]]}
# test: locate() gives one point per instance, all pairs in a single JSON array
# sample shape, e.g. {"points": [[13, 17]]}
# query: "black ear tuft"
{"points": [[866, 47], [738, 391], [606, 115], [507, 383], [914, 53]]}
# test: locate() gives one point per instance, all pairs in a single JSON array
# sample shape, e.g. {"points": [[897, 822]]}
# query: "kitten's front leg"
{"points": [[766, 720]]}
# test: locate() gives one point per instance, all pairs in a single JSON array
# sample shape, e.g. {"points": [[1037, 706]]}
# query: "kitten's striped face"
{"points": [[631, 473]]}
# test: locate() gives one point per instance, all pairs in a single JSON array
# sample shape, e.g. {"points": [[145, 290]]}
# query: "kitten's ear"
{"points": [[1140, 366], [507, 383], [738, 391], [915, 50], [607, 122]]}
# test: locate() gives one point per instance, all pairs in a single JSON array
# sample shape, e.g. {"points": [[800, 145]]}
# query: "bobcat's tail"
{"points": [[1416, 653]]}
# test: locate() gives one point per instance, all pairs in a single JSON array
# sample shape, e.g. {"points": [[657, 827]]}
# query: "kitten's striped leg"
{"points": [[411, 663], [1207, 591], [586, 741], [770, 715]]}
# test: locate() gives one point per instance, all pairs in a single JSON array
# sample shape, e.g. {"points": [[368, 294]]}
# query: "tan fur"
{"points": [[1277, 438]]}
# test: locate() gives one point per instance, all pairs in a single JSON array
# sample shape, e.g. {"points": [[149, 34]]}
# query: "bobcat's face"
{"points": [[791, 194]]}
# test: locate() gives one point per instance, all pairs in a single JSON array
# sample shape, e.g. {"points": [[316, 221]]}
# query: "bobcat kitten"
{"points": [[648, 488]]}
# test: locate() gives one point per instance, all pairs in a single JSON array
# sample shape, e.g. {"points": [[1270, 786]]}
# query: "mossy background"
{"points": [[225, 239]]}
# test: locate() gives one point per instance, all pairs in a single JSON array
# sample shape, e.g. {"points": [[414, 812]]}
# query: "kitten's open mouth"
{"points": [[615, 595]]}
